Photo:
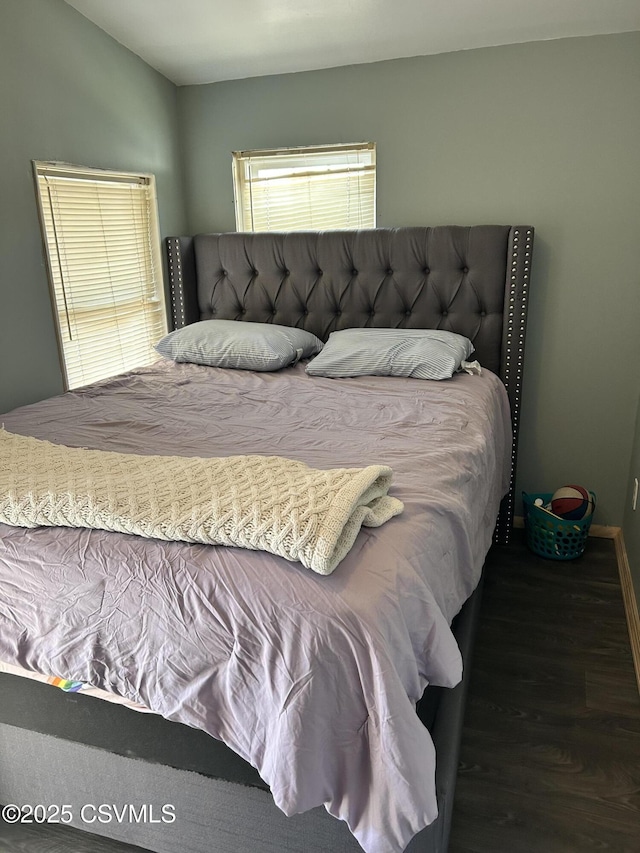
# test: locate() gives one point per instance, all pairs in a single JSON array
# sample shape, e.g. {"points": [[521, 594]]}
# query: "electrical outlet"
{"points": [[634, 499]]}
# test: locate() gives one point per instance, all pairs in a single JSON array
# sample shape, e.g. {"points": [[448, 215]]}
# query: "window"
{"points": [[297, 189], [103, 256]]}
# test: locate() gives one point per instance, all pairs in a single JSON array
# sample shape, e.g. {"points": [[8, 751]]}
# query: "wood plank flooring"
{"points": [[550, 759]]}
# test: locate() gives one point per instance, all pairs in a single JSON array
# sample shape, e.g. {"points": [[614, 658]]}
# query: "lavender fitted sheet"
{"points": [[311, 679]]}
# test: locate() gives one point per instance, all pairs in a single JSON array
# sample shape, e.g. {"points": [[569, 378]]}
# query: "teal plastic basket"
{"points": [[552, 537]]}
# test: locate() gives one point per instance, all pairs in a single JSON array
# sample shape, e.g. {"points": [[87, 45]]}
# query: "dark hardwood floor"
{"points": [[550, 759]]}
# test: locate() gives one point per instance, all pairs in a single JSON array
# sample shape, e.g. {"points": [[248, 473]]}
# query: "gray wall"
{"points": [[543, 134], [67, 92]]}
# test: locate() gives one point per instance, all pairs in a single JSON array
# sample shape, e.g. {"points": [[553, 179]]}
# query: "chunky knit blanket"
{"points": [[259, 502]]}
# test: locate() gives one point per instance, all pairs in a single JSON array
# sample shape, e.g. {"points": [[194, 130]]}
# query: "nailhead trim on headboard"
{"points": [[176, 283], [520, 248]]}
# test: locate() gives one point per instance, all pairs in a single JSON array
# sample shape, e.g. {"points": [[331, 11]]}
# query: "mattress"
{"points": [[311, 679]]}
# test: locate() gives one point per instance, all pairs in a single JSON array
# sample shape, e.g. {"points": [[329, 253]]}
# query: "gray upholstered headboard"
{"points": [[470, 280]]}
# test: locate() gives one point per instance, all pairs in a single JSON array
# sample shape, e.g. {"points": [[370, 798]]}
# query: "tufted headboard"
{"points": [[471, 280]]}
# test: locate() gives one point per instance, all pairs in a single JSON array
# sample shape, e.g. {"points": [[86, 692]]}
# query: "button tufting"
{"points": [[445, 313], [354, 272], [285, 272], [223, 272], [244, 311], [319, 272], [483, 313], [306, 312], [465, 269], [338, 313], [407, 313], [426, 270], [389, 271]]}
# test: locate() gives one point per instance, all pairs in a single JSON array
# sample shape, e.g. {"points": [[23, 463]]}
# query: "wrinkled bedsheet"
{"points": [[311, 679]]}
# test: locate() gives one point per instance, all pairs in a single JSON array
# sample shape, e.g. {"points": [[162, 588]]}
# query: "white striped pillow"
{"points": [[238, 344], [417, 353]]}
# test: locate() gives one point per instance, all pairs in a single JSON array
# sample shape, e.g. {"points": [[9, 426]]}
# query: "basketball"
{"points": [[572, 503]]}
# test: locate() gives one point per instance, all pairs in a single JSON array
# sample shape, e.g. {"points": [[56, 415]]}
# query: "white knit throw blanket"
{"points": [[259, 502]]}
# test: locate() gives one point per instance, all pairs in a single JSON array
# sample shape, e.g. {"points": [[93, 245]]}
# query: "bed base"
{"points": [[62, 748]]}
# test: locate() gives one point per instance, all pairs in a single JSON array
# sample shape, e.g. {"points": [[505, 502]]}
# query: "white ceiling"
{"points": [[203, 41]]}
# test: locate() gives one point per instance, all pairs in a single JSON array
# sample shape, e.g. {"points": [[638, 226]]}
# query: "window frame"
{"points": [[40, 169], [240, 158]]}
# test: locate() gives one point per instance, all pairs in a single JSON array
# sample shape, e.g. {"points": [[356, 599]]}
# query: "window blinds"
{"points": [[295, 189], [102, 246]]}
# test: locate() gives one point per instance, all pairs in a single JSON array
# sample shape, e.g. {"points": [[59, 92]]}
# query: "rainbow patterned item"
{"points": [[65, 684]]}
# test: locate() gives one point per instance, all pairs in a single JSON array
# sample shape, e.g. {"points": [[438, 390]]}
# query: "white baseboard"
{"points": [[630, 602]]}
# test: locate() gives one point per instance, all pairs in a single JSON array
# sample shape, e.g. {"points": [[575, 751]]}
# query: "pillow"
{"points": [[419, 353], [239, 344]]}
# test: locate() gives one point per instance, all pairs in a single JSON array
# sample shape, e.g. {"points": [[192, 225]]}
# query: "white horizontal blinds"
{"points": [[101, 237], [306, 188]]}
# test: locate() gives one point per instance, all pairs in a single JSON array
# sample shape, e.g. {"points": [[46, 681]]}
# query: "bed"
{"points": [[452, 448]]}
